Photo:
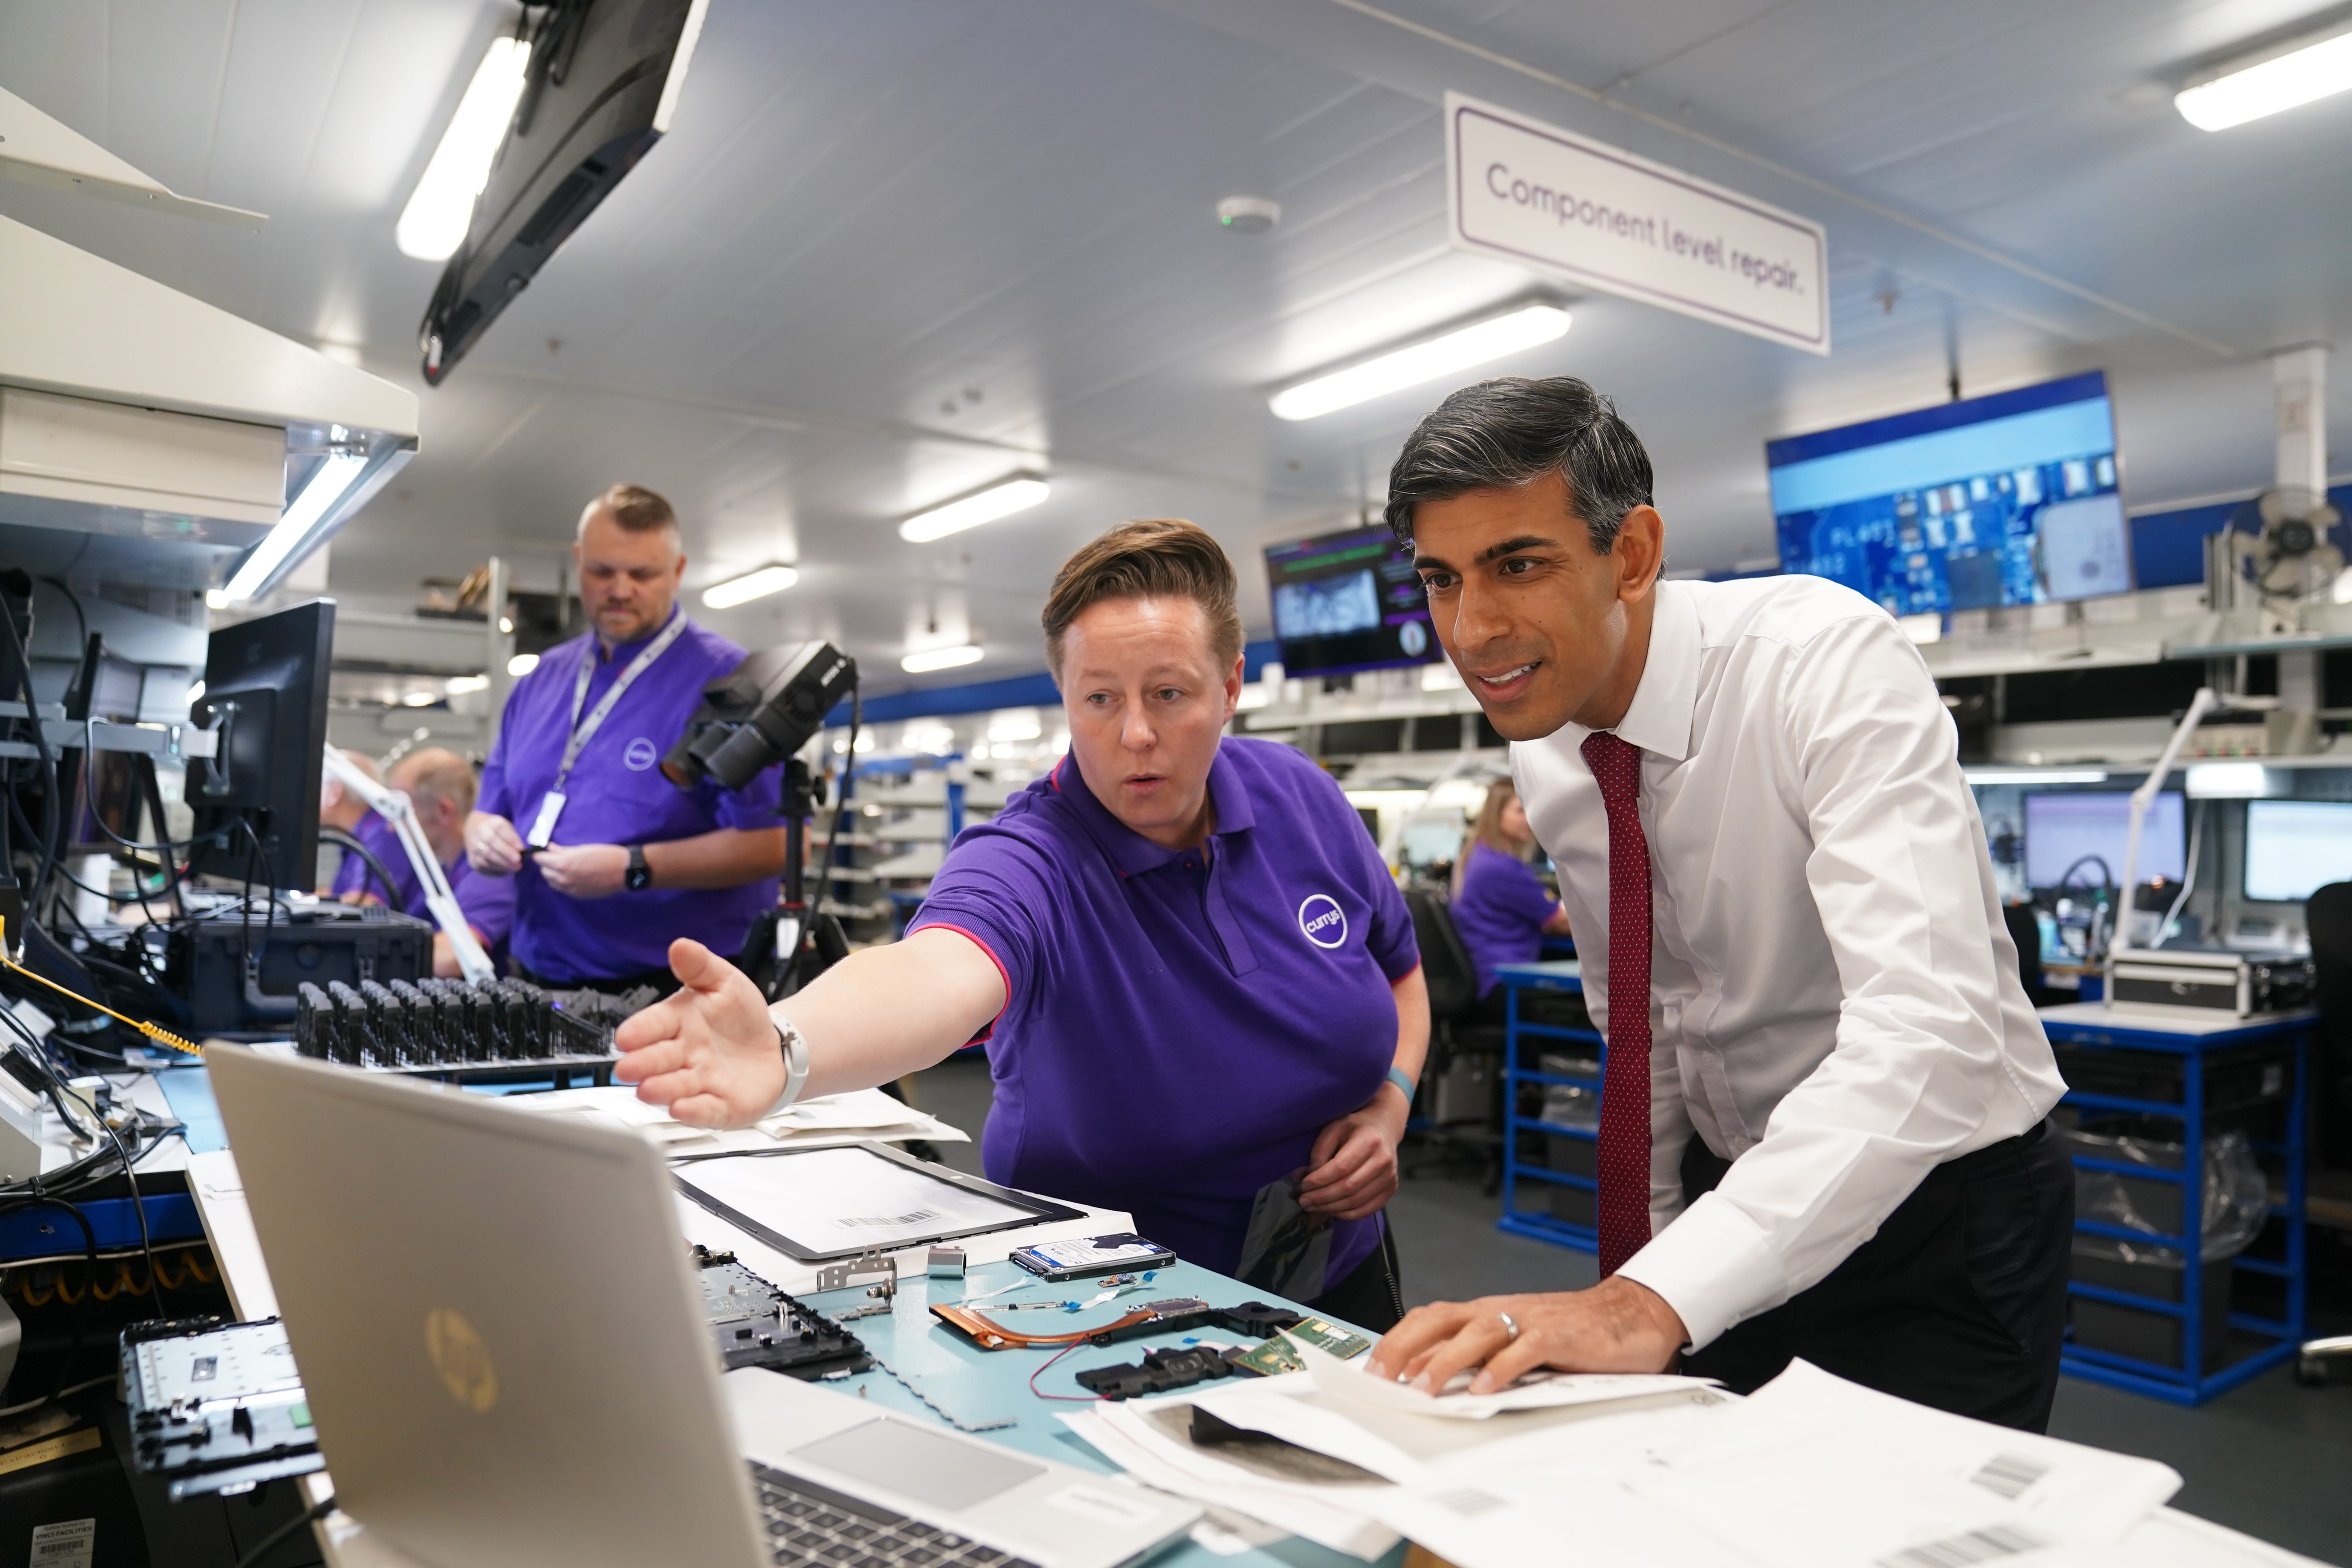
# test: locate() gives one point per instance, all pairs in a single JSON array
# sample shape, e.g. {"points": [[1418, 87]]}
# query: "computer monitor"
{"points": [[2014, 498], [2063, 826], [2295, 848], [1349, 602], [257, 803]]}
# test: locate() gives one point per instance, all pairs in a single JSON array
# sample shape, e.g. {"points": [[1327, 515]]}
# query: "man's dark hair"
{"points": [[1500, 433]]}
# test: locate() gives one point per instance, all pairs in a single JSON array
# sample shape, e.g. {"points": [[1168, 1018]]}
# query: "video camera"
{"points": [[772, 705]]}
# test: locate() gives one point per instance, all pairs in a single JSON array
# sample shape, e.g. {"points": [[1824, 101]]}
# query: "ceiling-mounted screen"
{"points": [[1348, 602], [2009, 500], [599, 83]]}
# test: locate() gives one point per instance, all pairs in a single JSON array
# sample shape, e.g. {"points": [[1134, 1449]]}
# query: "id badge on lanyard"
{"points": [[551, 804]]}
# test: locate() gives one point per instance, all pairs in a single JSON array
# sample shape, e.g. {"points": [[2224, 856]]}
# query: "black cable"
{"points": [[352, 844], [81, 621], [283, 1533], [48, 764], [90, 1287], [89, 793]]}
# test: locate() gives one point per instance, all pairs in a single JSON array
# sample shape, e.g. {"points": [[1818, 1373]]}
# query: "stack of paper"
{"points": [[862, 1116], [1810, 1472]]}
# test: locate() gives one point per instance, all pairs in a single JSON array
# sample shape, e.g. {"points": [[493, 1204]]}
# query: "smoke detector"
{"points": [[1249, 215]]}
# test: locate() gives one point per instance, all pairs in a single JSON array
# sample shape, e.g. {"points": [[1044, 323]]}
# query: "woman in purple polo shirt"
{"points": [[1501, 910], [1200, 984]]}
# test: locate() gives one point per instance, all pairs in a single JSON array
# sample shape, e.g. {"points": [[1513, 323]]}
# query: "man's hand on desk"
{"points": [[492, 844], [584, 870], [1616, 1326], [710, 1052]]}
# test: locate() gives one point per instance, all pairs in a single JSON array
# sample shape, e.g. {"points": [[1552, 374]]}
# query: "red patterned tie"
{"points": [[1624, 1156]]}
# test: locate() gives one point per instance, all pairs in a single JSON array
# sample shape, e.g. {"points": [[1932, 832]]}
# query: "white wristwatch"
{"points": [[794, 1046]]}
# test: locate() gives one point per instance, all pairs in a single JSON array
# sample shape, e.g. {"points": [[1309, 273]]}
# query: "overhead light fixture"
{"points": [[1425, 361], [1015, 724], [419, 700], [522, 664], [2288, 76], [216, 599], [309, 517], [752, 585], [932, 659], [2034, 776], [1003, 500], [458, 685], [2234, 781], [433, 222]]}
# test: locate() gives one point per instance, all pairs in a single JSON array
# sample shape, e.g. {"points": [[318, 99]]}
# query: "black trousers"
{"points": [[1959, 1302]]}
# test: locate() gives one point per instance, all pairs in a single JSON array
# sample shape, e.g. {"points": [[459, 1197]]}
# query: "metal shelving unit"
{"points": [[1520, 980]]}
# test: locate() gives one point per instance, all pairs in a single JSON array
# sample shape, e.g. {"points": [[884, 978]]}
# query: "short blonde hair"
{"points": [[634, 509], [1155, 558]]}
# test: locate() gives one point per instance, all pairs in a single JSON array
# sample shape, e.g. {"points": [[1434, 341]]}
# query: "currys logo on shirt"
{"points": [[1322, 920], [640, 755]]}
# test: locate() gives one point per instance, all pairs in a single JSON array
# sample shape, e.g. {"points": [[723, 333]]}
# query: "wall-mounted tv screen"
{"points": [[1347, 602], [2009, 500]]}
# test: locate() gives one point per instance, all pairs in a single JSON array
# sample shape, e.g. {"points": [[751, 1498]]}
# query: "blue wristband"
{"points": [[1397, 1077]]}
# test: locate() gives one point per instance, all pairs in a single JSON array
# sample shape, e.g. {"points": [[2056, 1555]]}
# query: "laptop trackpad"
{"points": [[946, 1472]]}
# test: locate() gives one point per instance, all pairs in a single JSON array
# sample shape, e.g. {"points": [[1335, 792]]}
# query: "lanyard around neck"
{"points": [[584, 731]]}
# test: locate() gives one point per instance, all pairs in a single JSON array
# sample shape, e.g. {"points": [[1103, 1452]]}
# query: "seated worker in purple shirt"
{"points": [[439, 785], [610, 860], [1501, 910], [1198, 982], [344, 811]]}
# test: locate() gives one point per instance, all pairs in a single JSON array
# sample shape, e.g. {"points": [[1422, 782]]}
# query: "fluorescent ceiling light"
{"points": [[522, 664], [750, 586], [216, 599], [433, 222], [2269, 83], [1015, 724], [458, 685], [1444, 355], [2035, 775], [932, 659], [306, 518], [419, 700], [983, 506]]}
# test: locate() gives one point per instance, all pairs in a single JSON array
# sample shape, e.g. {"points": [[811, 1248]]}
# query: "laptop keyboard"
{"points": [[815, 1525]]}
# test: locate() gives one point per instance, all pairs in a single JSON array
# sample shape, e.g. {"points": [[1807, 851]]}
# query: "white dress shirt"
{"points": [[1834, 1001]]}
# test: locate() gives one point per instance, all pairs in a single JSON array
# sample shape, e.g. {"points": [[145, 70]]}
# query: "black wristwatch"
{"points": [[640, 875]]}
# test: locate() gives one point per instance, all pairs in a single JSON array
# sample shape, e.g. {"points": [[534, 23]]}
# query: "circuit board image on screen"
{"points": [[2014, 498], [1349, 602]]}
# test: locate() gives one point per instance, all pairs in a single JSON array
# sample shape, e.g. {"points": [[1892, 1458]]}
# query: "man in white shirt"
{"points": [[1824, 1136]]}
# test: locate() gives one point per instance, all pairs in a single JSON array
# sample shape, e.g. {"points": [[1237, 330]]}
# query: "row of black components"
{"points": [[1159, 1370], [439, 1023], [1183, 1314], [755, 1324], [216, 1405]]}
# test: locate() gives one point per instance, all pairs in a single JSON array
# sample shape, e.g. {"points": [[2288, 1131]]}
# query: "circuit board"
{"points": [[216, 1406], [755, 1324]]}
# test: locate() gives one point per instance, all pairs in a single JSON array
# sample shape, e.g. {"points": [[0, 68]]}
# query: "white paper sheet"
{"points": [[1350, 1381], [1339, 1516], [830, 1200], [1816, 1472]]}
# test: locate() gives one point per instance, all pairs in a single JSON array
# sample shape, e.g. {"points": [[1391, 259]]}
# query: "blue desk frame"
{"points": [[2188, 1384], [1563, 976]]}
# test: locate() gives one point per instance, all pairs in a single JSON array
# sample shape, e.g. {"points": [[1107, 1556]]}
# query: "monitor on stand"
{"points": [[256, 801]]}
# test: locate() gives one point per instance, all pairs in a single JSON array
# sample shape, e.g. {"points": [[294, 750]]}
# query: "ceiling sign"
{"points": [[1523, 191]]}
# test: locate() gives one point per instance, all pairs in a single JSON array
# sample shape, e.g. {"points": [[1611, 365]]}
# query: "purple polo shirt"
{"points": [[1179, 1027], [353, 875], [1500, 911], [617, 796]]}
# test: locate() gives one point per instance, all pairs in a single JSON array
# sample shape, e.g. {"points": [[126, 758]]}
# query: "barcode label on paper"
{"points": [[66, 1544], [1989, 1544], [885, 1220], [1469, 1502], [2009, 1475]]}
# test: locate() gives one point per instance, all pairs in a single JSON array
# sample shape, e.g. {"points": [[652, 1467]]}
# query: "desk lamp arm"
{"points": [[2142, 798], [392, 806]]}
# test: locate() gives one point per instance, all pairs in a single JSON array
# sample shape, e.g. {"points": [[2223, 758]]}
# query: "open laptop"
{"points": [[509, 1365]]}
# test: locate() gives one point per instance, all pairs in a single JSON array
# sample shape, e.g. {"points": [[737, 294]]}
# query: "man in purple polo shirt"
{"points": [[610, 860], [1200, 984], [439, 785]]}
